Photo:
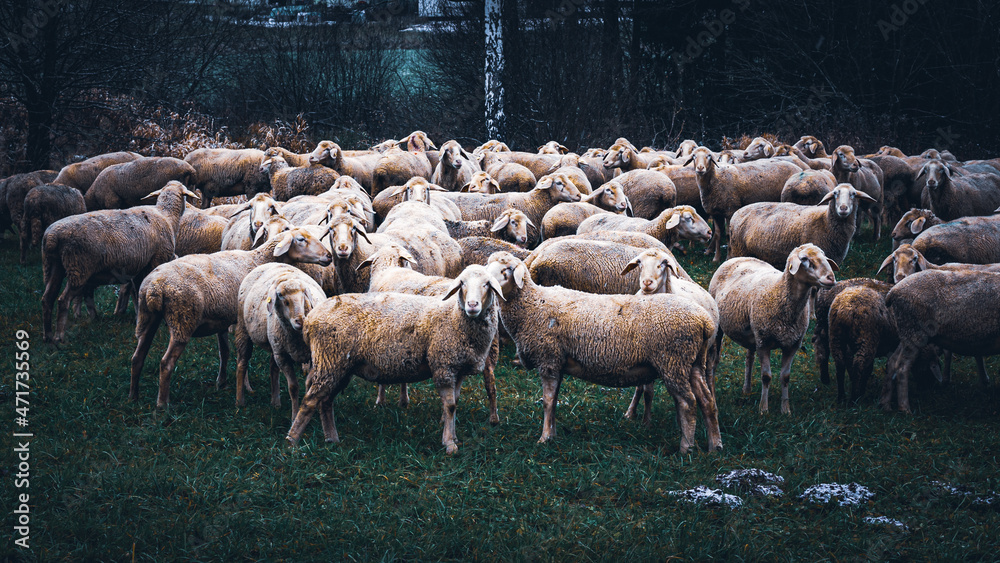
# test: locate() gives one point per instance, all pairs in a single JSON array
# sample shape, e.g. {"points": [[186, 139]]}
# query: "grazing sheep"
{"points": [[13, 191], [124, 185], [655, 270], [444, 340], [455, 167], [595, 338], [724, 190], [866, 177], [44, 205], [770, 231], [477, 250], [81, 175], [911, 224], [762, 308], [565, 218], [198, 295], [287, 182], [227, 172], [971, 240], [673, 224], [274, 300], [808, 187], [952, 196], [956, 310], [103, 247], [396, 167], [510, 176]]}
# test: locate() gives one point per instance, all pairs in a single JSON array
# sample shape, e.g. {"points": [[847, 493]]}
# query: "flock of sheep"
{"points": [[406, 262]]}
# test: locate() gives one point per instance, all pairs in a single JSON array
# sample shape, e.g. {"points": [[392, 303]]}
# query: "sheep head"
{"points": [[686, 147], [810, 146], [452, 154], [387, 145], [655, 268], [476, 289], [509, 270], [552, 147], [493, 145], [843, 200], [844, 157], [911, 224], [272, 164], [482, 183], [289, 299], [689, 225], [809, 264], [417, 189], [938, 173], [344, 230], [418, 141], [303, 244], [620, 154], [515, 223], [758, 148], [703, 160], [345, 182], [610, 197], [169, 190], [390, 255], [886, 150], [595, 153], [272, 227], [560, 187], [906, 261], [324, 153]]}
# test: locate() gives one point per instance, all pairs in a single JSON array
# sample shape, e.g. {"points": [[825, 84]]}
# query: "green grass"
{"points": [[113, 480]]}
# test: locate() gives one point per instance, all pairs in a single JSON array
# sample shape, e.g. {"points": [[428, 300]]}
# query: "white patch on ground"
{"points": [[950, 489], [754, 481], [845, 495], [886, 521], [705, 496], [989, 501]]}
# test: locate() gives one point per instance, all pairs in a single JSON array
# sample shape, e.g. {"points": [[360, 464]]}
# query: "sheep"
{"points": [[726, 189], [396, 167], [686, 147], [770, 231], [443, 339], [811, 147], [420, 229], [762, 308], [510, 176], [512, 226], [274, 300], [956, 310], [477, 250], [642, 241], [241, 230], [549, 191], [886, 150], [565, 218], [899, 187], [592, 164], [971, 240], [790, 152], [199, 232], [198, 295], [685, 184], [352, 245], [287, 181], [593, 266], [821, 311], [552, 147], [569, 165], [14, 190], [649, 192], [120, 186], [595, 338], [673, 224], [44, 205], [483, 183], [361, 168], [952, 196], [455, 167], [307, 209], [808, 187], [866, 177], [624, 156], [227, 172], [655, 269], [538, 164], [81, 175], [758, 148], [319, 154], [911, 224], [108, 246], [493, 145], [417, 188]]}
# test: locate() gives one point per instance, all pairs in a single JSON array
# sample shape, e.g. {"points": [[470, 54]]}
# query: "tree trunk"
{"points": [[494, 71]]}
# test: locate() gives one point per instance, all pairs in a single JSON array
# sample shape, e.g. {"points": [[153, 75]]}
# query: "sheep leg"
{"points": [[146, 330], [685, 402], [841, 392], [984, 377], [786, 375], [946, 376], [70, 292], [897, 376], [52, 286], [891, 368], [489, 380], [721, 222], [380, 398], [124, 292], [88, 299], [404, 396], [447, 388], [860, 371], [277, 369], [220, 380], [765, 377], [709, 409], [647, 404], [630, 412], [244, 349], [317, 393], [167, 364], [550, 395], [821, 347], [747, 389]]}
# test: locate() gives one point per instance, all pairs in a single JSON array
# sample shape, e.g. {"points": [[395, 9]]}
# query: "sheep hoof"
{"points": [[291, 442], [451, 449], [785, 409], [333, 440], [494, 420]]}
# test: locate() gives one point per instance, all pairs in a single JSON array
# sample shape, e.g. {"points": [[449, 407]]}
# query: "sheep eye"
{"points": [[300, 239]]}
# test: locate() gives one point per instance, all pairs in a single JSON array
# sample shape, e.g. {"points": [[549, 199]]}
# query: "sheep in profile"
{"points": [[623, 155], [770, 231], [44, 205], [670, 226], [758, 149], [793, 154], [477, 250], [104, 247], [594, 337], [227, 172], [866, 177], [320, 154], [811, 147], [565, 218], [361, 168], [120, 186], [569, 165], [952, 196], [199, 232], [808, 187], [398, 166], [971, 240], [198, 295], [442, 339], [762, 308], [274, 300], [510, 176], [81, 175], [911, 224], [592, 164], [649, 191], [511, 226], [956, 310], [287, 182]]}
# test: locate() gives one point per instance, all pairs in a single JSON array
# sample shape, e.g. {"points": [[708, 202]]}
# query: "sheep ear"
{"points": [[260, 236], [793, 265], [563, 149], [833, 265], [152, 195], [495, 286], [923, 169], [947, 171], [528, 221], [501, 222], [519, 273], [769, 151], [544, 184], [435, 188], [399, 190], [889, 260], [628, 208], [631, 265], [594, 195], [673, 221], [360, 229], [366, 263], [466, 187], [271, 296], [284, 244], [454, 288], [829, 195], [688, 161], [863, 195], [922, 262], [495, 184], [190, 194], [917, 225]]}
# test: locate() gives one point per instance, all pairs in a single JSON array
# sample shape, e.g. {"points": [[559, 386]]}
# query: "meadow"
{"points": [[112, 480]]}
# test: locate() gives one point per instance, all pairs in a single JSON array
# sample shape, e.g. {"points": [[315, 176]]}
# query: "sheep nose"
{"points": [[297, 324], [647, 283], [472, 308]]}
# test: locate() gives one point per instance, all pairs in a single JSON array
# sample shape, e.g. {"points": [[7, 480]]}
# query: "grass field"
{"points": [[113, 480]]}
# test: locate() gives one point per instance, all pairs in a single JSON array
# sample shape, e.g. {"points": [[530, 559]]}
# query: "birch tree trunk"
{"points": [[494, 71]]}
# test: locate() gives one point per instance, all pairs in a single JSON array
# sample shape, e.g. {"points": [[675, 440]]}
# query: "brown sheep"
{"points": [[14, 189], [455, 167], [287, 182], [510, 176], [911, 224], [121, 186], [811, 147], [227, 172], [648, 191], [670, 226], [808, 187], [44, 205], [482, 183], [361, 168], [865, 176], [953, 196], [565, 218], [396, 167], [81, 175], [552, 147], [971, 240], [477, 250]]}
